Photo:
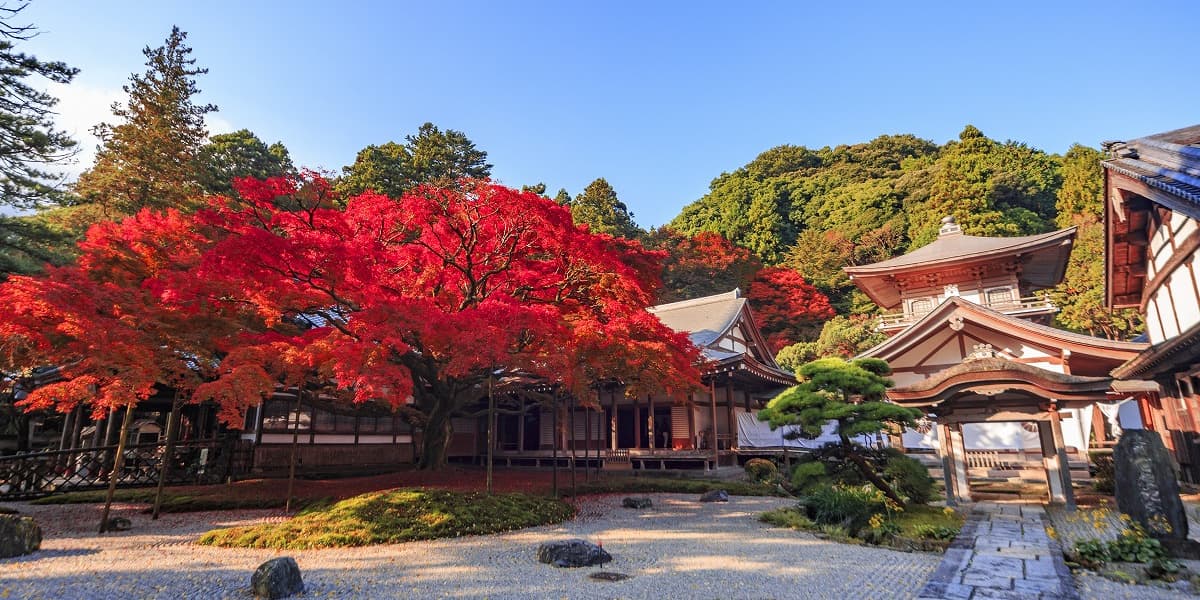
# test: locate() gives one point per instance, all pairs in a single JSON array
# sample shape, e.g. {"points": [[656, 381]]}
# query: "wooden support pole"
{"points": [[730, 421], [521, 425], [118, 464], [650, 420], [1054, 460], [712, 405], [612, 420], [691, 418], [637, 423], [962, 485]]}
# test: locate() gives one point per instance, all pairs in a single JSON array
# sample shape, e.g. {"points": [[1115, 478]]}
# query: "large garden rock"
{"points": [[572, 553], [1146, 487], [18, 536], [642, 502], [277, 578], [715, 496]]}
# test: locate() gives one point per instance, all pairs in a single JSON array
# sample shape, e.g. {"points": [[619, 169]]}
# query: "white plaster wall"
{"points": [[1186, 305]]}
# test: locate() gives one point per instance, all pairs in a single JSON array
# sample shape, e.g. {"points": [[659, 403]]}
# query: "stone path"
{"points": [[1003, 552]]}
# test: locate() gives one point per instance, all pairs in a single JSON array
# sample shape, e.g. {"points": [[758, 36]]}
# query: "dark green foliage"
{"points": [[910, 477], [935, 532], [240, 154], [1132, 545], [850, 507], [599, 208], [396, 516], [1104, 472], [761, 470], [431, 156], [851, 394], [29, 143], [806, 475]]}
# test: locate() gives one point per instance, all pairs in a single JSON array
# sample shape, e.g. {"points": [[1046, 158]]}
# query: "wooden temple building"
{"points": [[971, 347], [1152, 227], [613, 431]]}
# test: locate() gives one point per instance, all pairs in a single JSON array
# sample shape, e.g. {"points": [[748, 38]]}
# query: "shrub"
{"points": [[910, 477], [926, 531], [1091, 552], [808, 474], [847, 507], [1135, 546], [1103, 472], [761, 470], [792, 518]]}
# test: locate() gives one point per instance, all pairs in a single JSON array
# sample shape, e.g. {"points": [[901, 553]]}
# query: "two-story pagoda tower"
{"points": [[971, 346]]}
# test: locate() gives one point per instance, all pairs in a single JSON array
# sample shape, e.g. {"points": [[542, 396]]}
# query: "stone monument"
{"points": [[1147, 489]]}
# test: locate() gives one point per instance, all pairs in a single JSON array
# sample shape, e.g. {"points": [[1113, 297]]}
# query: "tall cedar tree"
{"points": [[29, 145], [850, 394], [701, 265], [148, 160], [431, 156], [421, 298], [599, 208], [789, 310]]}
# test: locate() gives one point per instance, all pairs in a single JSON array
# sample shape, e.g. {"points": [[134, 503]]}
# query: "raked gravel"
{"points": [[679, 549]]}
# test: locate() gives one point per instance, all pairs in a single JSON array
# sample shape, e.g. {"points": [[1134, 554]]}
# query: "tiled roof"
{"points": [[957, 247], [704, 319]]}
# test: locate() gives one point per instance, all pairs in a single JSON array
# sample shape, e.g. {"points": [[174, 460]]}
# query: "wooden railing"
{"points": [[36, 474], [1032, 303]]}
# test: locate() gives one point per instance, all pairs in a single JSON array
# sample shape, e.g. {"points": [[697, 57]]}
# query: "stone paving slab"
{"points": [[1003, 552]]}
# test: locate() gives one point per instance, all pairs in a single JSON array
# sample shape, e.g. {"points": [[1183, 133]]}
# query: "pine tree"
{"points": [[149, 158], [29, 144]]}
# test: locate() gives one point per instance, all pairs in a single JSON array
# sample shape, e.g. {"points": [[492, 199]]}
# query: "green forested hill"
{"points": [[820, 210]]}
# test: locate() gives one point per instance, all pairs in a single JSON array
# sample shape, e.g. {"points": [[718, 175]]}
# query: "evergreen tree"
{"points": [[431, 156], [599, 208], [851, 394], [563, 197], [240, 154], [29, 146], [148, 159]]}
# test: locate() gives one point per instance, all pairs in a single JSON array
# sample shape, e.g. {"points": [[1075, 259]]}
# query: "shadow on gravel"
{"points": [[44, 554]]}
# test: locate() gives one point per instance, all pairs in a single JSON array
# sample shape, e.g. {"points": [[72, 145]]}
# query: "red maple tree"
{"points": [[789, 309], [701, 265], [420, 299]]}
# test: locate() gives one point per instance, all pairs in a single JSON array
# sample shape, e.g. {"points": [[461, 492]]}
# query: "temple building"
{"points": [[703, 429], [970, 346], [1152, 227]]}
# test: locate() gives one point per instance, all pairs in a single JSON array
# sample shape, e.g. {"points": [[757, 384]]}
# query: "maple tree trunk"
{"points": [[118, 464], [867, 471], [435, 442], [167, 455]]}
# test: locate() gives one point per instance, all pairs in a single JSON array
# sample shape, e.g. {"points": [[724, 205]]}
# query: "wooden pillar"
{"points": [[98, 432], [612, 420], [746, 393], [691, 415], [521, 427], [78, 427], [259, 415], [944, 454], [110, 437], [650, 420], [954, 464], [68, 424], [1098, 426], [712, 405], [729, 418], [357, 424], [312, 420], [1054, 460], [637, 423]]}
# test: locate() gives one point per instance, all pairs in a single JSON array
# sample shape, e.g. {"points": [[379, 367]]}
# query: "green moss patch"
{"points": [[918, 527], [178, 502], [394, 516]]}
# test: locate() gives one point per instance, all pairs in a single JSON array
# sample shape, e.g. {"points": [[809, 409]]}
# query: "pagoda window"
{"points": [[920, 306], [1000, 297]]}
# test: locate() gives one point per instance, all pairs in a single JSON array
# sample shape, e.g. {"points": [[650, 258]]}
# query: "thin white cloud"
{"points": [[81, 107]]}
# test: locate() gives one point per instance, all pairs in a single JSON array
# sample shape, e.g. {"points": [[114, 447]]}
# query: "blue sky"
{"points": [[657, 97]]}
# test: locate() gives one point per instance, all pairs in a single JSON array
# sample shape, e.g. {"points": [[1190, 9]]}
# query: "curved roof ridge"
{"points": [[985, 365], [958, 247], [953, 302]]}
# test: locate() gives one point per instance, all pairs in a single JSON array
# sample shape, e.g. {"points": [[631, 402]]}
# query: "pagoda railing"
{"points": [[1029, 304]]}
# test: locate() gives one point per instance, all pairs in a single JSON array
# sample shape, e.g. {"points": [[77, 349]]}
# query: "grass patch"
{"points": [[649, 485], [177, 502], [394, 516], [918, 527]]}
